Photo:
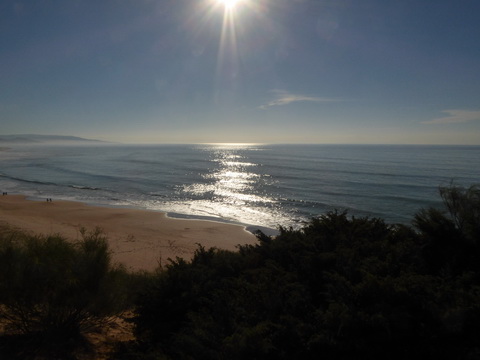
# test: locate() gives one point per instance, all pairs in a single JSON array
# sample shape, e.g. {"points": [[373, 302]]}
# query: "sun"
{"points": [[229, 4]]}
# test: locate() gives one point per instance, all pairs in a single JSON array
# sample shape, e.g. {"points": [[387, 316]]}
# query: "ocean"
{"points": [[264, 186]]}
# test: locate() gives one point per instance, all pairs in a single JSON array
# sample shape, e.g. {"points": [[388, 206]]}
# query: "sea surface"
{"points": [[259, 185]]}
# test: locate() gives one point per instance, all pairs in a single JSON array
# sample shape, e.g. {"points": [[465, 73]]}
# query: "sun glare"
{"points": [[229, 4]]}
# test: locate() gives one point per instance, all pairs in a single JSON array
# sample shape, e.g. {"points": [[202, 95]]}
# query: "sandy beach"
{"points": [[139, 239]]}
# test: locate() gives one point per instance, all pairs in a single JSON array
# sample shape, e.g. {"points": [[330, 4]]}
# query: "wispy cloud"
{"points": [[455, 117], [283, 97]]}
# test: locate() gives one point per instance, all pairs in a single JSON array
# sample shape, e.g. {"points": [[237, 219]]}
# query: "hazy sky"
{"points": [[185, 71]]}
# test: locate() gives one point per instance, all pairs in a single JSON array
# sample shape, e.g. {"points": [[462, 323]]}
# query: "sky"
{"points": [[268, 71]]}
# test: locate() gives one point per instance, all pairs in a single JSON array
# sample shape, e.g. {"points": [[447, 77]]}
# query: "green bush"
{"points": [[58, 289]]}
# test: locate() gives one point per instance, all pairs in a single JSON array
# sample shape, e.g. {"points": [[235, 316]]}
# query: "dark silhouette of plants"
{"points": [[55, 291], [452, 235], [340, 287]]}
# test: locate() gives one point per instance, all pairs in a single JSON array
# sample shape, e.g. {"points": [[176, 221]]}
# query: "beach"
{"points": [[139, 239]]}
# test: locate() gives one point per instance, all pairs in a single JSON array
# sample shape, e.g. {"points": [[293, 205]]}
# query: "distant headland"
{"points": [[41, 139]]}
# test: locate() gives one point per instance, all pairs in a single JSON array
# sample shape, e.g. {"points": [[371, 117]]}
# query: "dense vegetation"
{"points": [[53, 292], [340, 287]]}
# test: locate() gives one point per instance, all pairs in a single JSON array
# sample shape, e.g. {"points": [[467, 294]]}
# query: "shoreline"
{"points": [[139, 239], [270, 231]]}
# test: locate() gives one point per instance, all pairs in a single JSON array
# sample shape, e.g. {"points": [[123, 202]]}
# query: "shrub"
{"points": [[452, 234], [57, 289]]}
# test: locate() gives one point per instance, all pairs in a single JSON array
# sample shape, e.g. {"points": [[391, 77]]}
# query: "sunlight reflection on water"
{"points": [[254, 184], [231, 188]]}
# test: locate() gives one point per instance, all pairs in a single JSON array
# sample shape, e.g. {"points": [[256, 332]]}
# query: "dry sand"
{"points": [[140, 239]]}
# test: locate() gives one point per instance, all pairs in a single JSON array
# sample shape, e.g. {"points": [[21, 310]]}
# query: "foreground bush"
{"points": [[339, 288], [58, 290], [452, 234]]}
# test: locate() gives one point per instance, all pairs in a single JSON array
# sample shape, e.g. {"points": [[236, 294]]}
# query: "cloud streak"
{"points": [[283, 97], [455, 117]]}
